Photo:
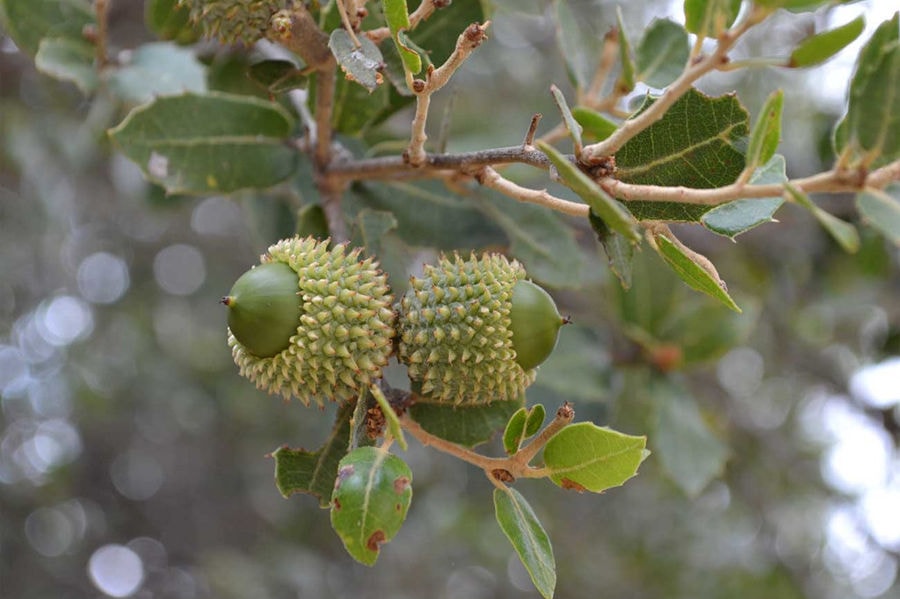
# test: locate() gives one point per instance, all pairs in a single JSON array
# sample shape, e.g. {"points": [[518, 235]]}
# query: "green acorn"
{"points": [[473, 330], [311, 322], [231, 21]]}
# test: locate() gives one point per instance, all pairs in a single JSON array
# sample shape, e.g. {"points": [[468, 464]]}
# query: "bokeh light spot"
{"points": [[179, 269], [102, 278], [116, 570]]}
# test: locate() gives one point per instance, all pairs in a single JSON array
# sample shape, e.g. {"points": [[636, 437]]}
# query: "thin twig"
{"points": [[101, 9], [490, 178], [678, 88], [564, 416], [528, 143], [435, 79], [325, 86]]}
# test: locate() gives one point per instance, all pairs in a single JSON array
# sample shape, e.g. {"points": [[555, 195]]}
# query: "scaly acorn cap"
{"points": [[231, 21], [457, 334], [343, 323]]}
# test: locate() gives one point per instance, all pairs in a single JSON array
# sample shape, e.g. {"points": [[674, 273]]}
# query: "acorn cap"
{"points": [[344, 328], [455, 334], [232, 21]]}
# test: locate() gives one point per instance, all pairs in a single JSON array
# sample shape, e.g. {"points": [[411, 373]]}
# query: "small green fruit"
{"points": [[535, 324], [232, 21], [462, 330], [311, 322], [263, 308]]}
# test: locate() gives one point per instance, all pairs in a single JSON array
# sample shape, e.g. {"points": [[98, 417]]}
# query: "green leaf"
{"points": [[68, 59], [612, 212], [356, 109], [673, 212], [439, 32], [522, 424], [688, 450], [538, 238], [871, 131], [393, 422], [29, 21], [467, 425], [696, 144], [739, 216], [843, 232], [535, 420], [593, 123], [360, 64], [572, 125], [766, 131], [586, 457], [695, 270], [663, 53], [524, 531], [709, 18], [158, 69], [514, 432], [214, 143], [373, 226], [625, 82], [881, 210], [313, 472], [311, 222], [170, 20], [277, 76], [575, 44], [427, 215], [619, 251], [822, 46], [397, 16], [371, 496]]}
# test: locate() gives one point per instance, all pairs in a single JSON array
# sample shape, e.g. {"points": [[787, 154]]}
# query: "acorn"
{"points": [[473, 331], [311, 322], [231, 21]]}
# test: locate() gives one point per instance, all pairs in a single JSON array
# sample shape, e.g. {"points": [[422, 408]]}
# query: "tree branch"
{"points": [[490, 178], [435, 79], [678, 88]]}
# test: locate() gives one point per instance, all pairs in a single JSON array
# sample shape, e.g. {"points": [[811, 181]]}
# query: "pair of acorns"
{"points": [[317, 322]]}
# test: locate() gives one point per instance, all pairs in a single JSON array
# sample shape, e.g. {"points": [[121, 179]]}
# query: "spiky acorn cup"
{"points": [[464, 336], [311, 322], [231, 21]]}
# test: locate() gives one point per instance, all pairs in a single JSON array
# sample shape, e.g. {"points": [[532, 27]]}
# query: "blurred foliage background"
{"points": [[133, 458]]}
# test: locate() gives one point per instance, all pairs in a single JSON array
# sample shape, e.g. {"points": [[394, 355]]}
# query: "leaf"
{"points": [[695, 144], [311, 222], [575, 44], [514, 431], [709, 18], [538, 238], [672, 212], [362, 64], [881, 210], [571, 124], [625, 82], [843, 232], [766, 131], [871, 128], [662, 53], [612, 212], [373, 226], [688, 450], [29, 21], [68, 59], [522, 424], [467, 425], [586, 457], [213, 143], [371, 496], [158, 69], [356, 109], [524, 531], [822, 46], [393, 423], [396, 14], [277, 76], [434, 32], [301, 471], [739, 216], [619, 251], [593, 123], [426, 214], [170, 20], [695, 270]]}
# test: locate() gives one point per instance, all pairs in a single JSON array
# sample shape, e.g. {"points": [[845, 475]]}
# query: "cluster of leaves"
{"points": [[194, 129]]}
